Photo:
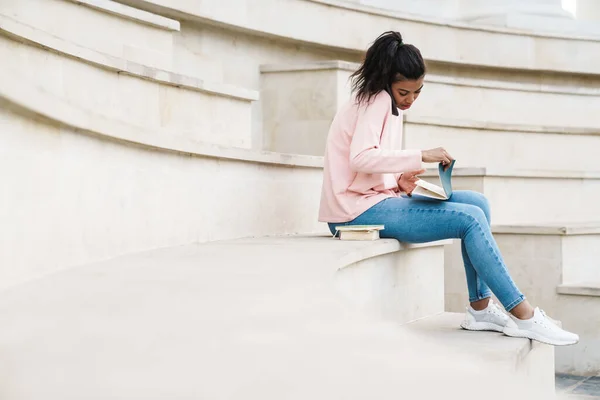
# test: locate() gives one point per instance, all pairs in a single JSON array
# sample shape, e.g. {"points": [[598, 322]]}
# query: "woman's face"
{"points": [[406, 92]]}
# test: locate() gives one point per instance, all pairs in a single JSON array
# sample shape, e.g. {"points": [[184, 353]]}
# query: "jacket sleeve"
{"points": [[366, 155]]}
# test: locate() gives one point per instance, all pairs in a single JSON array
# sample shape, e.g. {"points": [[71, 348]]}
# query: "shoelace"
{"points": [[495, 310], [550, 320]]}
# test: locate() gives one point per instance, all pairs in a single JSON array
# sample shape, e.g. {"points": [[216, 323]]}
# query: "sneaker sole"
{"points": [[537, 337], [481, 326]]}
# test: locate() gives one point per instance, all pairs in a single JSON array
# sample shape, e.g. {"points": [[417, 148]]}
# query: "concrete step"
{"points": [[84, 187], [578, 306], [576, 246], [555, 266], [254, 318], [400, 287], [495, 136], [502, 145], [579, 303], [466, 46], [133, 93], [525, 360], [530, 196], [300, 124], [105, 26], [580, 289], [501, 99]]}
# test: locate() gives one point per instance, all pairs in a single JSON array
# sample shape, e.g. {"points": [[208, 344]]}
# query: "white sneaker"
{"points": [[489, 319], [541, 328]]}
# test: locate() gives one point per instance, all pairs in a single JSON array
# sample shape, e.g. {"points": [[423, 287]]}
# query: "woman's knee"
{"points": [[476, 199], [473, 215]]}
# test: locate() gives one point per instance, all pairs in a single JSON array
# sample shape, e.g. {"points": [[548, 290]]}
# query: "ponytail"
{"points": [[388, 60]]}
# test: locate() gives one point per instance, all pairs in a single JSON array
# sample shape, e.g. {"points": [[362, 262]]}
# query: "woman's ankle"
{"points": [[480, 304], [523, 310]]}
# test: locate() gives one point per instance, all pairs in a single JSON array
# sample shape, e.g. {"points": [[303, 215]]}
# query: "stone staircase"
{"points": [[557, 266], [257, 318], [538, 175]]}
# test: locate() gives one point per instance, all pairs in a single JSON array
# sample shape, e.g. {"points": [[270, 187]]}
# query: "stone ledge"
{"points": [[494, 126], [133, 14], [27, 34], [456, 50], [507, 173], [347, 5], [582, 289], [365, 250], [32, 100], [572, 229], [311, 66], [345, 252], [522, 358], [211, 309], [446, 327], [516, 86], [36, 101], [449, 80]]}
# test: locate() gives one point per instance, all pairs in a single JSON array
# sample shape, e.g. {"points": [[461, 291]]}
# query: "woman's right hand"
{"points": [[436, 155]]}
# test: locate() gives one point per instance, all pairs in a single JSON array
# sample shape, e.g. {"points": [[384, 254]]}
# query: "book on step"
{"points": [[358, 232], [428, 190]]}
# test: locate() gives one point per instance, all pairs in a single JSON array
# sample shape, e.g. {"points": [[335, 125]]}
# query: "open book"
{"points": [[429, 190], [358, 232]]}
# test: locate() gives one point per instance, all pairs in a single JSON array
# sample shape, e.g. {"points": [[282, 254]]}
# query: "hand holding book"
{"points": [[428, 190], [437, 155], [407, 182]]}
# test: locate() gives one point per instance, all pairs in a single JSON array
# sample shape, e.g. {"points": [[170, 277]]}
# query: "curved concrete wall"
{"points": [[167, 100], [333, 25], [86, 187]]}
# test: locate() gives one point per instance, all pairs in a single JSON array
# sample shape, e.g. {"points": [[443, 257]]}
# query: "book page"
{"points": [[432, 191], [346, 228], [429, 189]]}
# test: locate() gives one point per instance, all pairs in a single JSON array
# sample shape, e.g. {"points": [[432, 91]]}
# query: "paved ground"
{"points": [[578, 387]]}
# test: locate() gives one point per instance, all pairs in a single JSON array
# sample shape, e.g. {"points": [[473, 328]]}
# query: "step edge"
{"points": [[16, 30], [561, 229], [590, 289], [26, 99], [131, 13]]}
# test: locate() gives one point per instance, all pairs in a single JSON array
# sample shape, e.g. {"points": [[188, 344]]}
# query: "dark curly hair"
{"points": [[388, 60]]}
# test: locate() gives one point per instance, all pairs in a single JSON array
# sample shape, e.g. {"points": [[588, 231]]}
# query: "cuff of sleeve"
{"points": [[415, 159]]}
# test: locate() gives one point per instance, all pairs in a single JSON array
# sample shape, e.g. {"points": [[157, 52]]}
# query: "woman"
{"points": [[366, 171]]}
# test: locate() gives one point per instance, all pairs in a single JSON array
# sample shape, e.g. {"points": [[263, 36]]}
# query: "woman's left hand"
{"points": [[407, 180]]}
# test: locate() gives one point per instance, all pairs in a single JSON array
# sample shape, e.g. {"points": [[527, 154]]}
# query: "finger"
{"points": [[449, 158]]}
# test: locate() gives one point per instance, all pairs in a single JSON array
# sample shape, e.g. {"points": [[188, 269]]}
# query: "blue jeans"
{"points": [[465, 216]]}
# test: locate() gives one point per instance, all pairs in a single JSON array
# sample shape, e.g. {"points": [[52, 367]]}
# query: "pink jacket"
{"points": [[363, 158]]}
